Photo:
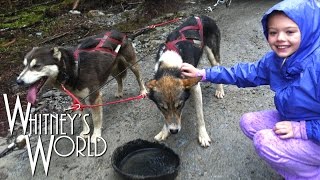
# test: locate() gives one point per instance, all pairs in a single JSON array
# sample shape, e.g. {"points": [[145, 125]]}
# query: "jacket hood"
{"points": [[306, 14]]}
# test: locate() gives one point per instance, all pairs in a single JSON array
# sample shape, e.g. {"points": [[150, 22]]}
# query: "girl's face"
{"points": [[284, 36]]}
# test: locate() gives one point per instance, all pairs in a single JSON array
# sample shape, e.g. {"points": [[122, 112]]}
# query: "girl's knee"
{"points": [[245, 120], [252, 122]]}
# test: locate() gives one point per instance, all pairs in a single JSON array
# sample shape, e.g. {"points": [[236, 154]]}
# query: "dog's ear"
{"points": [[56, 53], [29, 53], [189, 82], [151, 85]]}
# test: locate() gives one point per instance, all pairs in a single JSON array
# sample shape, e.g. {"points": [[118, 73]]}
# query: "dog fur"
{"points": [[83, 74], [169, 90]]}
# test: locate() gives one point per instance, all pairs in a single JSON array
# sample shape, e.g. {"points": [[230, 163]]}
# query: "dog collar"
{"points": [[62, 77]]}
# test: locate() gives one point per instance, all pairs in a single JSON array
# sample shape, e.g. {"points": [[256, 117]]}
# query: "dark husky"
{"points": [[169, 90], [82, 70]]}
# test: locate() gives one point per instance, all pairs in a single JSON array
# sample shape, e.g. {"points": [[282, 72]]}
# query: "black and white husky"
{"points": [[169, 90], [82, 70]]}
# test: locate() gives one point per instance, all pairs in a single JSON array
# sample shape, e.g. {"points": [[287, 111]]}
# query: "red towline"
{"points": [[77, 105]]}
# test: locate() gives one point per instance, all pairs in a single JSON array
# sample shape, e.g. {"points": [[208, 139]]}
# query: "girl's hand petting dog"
{"points": [[284, 129], [189, 70]]}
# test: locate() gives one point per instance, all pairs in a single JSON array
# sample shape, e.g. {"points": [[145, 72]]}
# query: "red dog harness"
{"points": [[172, 44], [100, 47]]}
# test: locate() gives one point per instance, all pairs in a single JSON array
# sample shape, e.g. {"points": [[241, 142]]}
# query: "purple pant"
{"points": [[291, 158]]}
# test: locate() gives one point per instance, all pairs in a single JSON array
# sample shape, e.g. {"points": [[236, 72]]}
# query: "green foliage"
{"points": [[23, 18], [66, 4], [30, 16]]}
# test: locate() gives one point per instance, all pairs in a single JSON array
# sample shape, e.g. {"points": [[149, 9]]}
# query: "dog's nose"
{"points": [[173, 131], [19, 82]]}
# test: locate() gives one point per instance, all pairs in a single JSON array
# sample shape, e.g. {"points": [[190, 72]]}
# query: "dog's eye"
{"points": [[163, 106], [36, 66], [179, 105]]}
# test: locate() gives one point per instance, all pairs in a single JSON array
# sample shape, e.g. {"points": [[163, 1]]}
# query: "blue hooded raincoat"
{"points": [[297, 82]]}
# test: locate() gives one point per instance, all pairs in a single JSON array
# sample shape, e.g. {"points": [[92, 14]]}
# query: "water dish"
{"points": [[141, 159]]}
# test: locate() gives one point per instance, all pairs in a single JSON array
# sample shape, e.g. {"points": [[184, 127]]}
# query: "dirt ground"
{"points": [[231, 154]]}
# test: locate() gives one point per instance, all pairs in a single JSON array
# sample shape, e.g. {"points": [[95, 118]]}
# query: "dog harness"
{"points": [[171, 45], [102, 45], [107, 44]]}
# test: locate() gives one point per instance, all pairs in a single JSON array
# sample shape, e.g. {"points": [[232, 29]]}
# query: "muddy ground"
{"points": [[230, 156]]}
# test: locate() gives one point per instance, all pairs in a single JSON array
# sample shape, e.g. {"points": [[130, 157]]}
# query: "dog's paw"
{"points": [[144, 93], [95, 138], [118, 94], [219, 94], [162, 136], [84, 134], [204, 138]]}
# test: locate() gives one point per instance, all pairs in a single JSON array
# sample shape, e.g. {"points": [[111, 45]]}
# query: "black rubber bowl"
{"points": [[140, 159]]}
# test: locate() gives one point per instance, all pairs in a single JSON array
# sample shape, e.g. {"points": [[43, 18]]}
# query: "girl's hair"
{"points": [[273, 13]]}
